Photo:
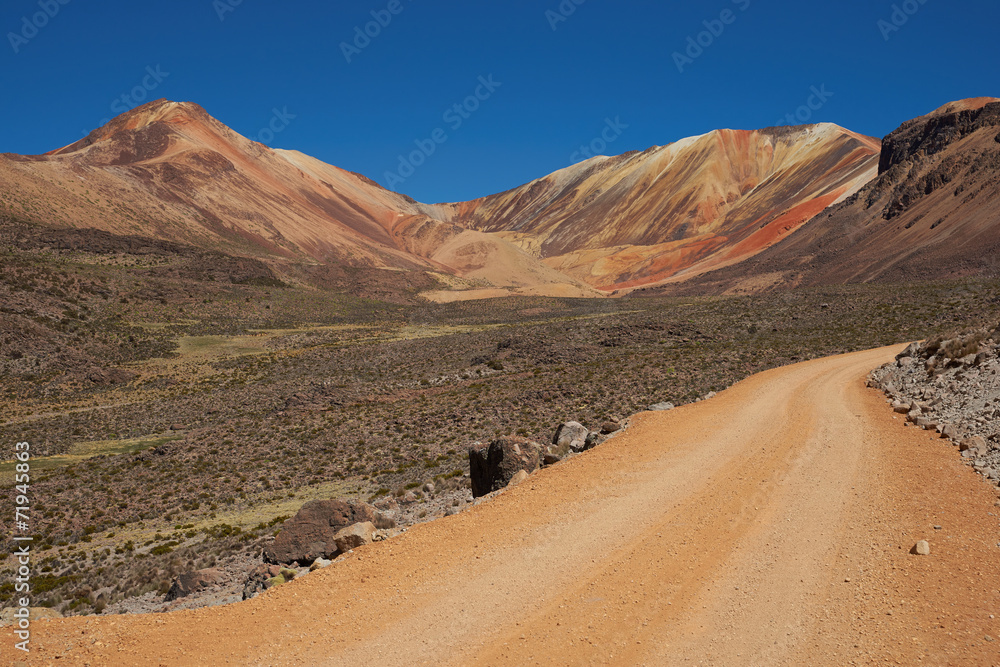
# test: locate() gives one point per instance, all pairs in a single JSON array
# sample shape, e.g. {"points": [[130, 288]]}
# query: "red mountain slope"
{"points": [[676, 210]]}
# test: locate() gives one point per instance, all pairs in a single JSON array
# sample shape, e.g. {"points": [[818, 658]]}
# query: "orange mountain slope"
{"points": [[169, 170], [676, 210]]}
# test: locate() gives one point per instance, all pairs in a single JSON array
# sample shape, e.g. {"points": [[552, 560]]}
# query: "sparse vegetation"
{"points": [[184, 418]]}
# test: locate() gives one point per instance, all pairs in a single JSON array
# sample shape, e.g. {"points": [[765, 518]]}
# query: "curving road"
{"points": [[768, 526]]}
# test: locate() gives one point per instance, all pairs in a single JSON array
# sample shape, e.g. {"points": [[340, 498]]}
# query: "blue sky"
{"points": [[563, 73]]}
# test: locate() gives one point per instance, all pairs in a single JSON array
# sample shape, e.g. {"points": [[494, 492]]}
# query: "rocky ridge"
{"points": [[951, 385]]}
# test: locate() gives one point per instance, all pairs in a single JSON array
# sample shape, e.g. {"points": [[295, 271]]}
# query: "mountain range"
{"points": [[727, 211]]}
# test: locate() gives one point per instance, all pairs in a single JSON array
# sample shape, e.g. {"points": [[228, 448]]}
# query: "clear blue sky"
{"points": [[607, 60]]}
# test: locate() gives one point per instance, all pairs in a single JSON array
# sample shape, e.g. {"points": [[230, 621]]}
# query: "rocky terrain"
{"points": [[952, 385]]}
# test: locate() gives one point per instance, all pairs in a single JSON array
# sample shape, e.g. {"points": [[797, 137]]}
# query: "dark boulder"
{"points": [[593, 440], [256, 581], [492, 466], [310, 534]]}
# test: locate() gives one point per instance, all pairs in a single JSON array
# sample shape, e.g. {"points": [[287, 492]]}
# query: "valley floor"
{"points": [[771, 525]]}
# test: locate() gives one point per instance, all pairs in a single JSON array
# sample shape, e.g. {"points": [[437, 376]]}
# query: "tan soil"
{"points": [[768, 526]]}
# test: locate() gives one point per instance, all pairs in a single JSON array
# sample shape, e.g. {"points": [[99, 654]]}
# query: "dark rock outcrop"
{"points": [[310, 534], [492, 466]]}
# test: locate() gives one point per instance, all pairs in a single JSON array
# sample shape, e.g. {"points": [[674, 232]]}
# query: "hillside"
{"points": [[169, 171], [932, 213], [677, 210]]}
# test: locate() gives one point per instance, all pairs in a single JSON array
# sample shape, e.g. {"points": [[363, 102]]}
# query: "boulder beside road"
{"points": [[311, 533], [570, 436], [493, 465]]}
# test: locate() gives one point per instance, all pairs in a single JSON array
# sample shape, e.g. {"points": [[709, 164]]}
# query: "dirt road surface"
{"points": [[769, 526]]}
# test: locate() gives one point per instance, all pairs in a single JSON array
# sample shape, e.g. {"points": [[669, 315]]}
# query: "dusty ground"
{"points": [[768, 526]]}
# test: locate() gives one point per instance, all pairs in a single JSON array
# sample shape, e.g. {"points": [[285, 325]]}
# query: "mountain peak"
{"points": [[970, 104], [157, 111]]}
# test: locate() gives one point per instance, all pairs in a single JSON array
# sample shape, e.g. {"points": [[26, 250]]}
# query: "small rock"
{"points": [[386, 503], [429, 488], [354, 536], [319, 564], [550, 459], [7, 616], [572, 435], [921, 548], [593, 440], [610, 427], [518, 477], [192, 582], [977, 445], [257, 581], [661, 407]]}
